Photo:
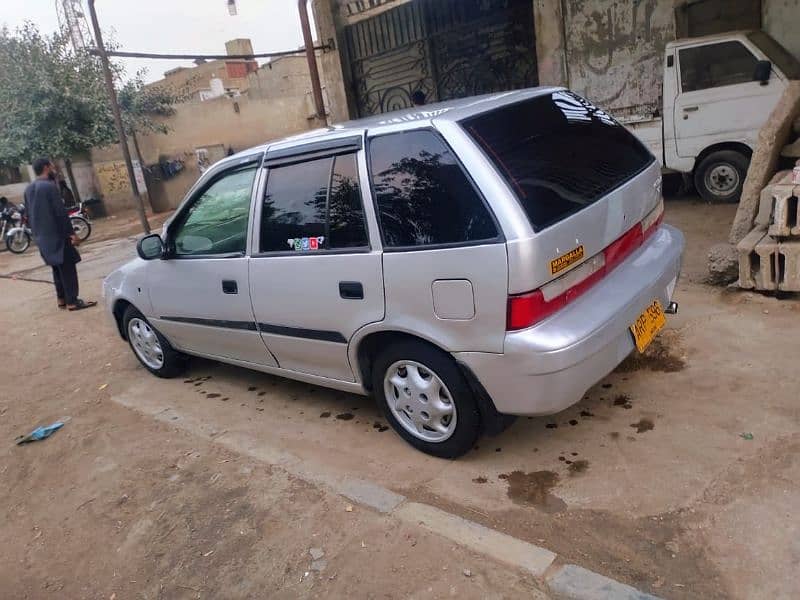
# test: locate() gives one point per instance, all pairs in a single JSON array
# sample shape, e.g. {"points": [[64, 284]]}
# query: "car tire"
{"points": [[720, 176], [441, 417], [150, 347]]}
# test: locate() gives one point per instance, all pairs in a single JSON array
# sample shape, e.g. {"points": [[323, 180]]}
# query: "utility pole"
{"points": [[112, 97], [311, 57]]}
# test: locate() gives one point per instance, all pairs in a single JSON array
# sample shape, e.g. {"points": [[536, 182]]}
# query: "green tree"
{"points": [[53, 100], [141, 105]]}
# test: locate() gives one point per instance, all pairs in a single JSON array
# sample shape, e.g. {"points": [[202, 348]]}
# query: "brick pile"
{"points": [[769, 256]]}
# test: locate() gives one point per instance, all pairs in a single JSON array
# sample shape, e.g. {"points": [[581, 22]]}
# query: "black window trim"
{"points": [[310, 151], [331, 152], [255, 160], [710, 43], [498, 239]]}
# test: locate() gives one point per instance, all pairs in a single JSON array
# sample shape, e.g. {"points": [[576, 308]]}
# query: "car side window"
{"points": [[716, 65], [217, 221], [423, 196], [313, 205]]}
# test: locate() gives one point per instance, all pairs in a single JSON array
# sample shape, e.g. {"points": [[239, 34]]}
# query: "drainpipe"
{"points": [[311, 56]]}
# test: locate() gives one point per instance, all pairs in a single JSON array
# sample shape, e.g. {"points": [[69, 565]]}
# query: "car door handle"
{"points": [[691, 108], [229, 287], [351, 290]]}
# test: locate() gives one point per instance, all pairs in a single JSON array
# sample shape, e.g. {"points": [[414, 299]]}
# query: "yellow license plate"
{"points": [[649, 323]]}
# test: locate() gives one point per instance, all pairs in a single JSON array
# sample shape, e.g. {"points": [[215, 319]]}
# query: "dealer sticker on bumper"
{"points": [[649, 323]]}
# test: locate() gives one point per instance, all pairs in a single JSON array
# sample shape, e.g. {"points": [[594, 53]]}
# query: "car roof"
{"points": [[420, 116]]}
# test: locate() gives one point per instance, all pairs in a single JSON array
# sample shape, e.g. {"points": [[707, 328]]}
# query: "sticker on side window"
{"points": [[304, 244], [566, 260]]}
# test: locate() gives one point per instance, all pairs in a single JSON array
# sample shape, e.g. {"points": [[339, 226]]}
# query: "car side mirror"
{"points": [[150, 247], [763, 71]]}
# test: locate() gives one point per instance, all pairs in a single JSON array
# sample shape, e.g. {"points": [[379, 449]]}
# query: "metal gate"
{"points": [[443, 48]]}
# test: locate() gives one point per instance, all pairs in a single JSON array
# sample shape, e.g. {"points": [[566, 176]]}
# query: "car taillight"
{"points": [[525, 310]]}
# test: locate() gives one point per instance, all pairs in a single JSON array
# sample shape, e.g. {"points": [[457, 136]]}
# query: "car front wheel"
{"points": [[150, 347], [426, 399]]}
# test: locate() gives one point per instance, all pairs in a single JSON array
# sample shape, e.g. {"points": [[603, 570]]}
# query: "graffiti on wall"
{"points": [[615, 51], [112, 176]]}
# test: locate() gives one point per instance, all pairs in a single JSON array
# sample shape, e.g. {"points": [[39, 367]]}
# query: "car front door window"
{"points": [[216, 223], [716, 65]]}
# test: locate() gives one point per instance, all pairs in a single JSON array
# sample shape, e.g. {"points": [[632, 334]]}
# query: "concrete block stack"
{"points": [[769, 256]]}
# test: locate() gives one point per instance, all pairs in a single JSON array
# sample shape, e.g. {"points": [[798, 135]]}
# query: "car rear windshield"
{"points": [[558, 152]]}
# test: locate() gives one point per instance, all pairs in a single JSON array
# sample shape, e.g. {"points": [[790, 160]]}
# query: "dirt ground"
{"points": [[677, 474]]}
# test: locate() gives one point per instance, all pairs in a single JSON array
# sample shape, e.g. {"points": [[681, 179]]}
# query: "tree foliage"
{"points": [[53, 101], [141, 103]]}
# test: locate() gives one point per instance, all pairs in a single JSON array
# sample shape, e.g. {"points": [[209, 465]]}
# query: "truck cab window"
{"points": [[716, 65]]}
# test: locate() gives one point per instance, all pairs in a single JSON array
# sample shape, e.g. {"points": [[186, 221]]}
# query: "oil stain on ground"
{"points": [[534, 489], [480, 479], [643, 425], [380, 426], [624, 401], [658, 357], [577, 467], [324, 415], [344, 416]]}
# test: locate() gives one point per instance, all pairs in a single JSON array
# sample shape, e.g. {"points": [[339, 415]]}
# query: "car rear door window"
{"points": [[313, 205], [716, 65], [423, 196], [347, 228], [216, 223]]}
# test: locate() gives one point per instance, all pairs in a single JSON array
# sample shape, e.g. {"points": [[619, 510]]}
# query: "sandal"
{"points": [[81, 304], [62, 305]]}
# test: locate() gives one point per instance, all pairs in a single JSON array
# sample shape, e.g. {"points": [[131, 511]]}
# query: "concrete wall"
{"points": [[216, 124], [330, 20], [781, 19], [281, 77], [614, 51], [187, 82]]}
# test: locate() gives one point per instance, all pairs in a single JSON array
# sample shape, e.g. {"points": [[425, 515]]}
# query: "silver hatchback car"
{"points": [[464, 262]]}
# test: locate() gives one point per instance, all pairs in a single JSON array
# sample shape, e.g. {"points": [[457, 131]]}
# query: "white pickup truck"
{"points": [[718, 92]]}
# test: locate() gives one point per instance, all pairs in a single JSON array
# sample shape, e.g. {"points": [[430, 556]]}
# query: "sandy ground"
{"points": [[649, 479]]}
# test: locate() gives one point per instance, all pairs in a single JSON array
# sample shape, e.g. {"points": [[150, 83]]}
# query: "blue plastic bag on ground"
{"points": [[40, 433]]}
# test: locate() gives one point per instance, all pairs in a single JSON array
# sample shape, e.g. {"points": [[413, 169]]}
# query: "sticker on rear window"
{"points": [[566, 260]]}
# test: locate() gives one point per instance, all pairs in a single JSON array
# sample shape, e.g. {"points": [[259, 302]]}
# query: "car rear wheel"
{"points": [[426, 399], [150, 347], [720, 176]]}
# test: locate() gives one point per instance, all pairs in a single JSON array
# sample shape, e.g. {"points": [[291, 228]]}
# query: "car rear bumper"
{"points": [[548, 367]]}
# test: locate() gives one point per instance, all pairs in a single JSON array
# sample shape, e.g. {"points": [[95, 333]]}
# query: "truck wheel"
{"points": [[426, 399], [720, 176]]}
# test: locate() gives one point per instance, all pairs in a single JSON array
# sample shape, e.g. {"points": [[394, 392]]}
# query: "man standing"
{"points": [[52, 231]]}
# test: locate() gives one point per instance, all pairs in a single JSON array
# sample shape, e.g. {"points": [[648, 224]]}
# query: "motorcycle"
{"points": [[8, 217], [18, 237], [79, 218]]}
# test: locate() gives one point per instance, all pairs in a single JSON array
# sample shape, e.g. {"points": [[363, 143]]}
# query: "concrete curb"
{"points": [[564, 581], [504, 548], [572, 582]]}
